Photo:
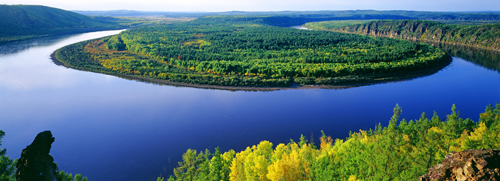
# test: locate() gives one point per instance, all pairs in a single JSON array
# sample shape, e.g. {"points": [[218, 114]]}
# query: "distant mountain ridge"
{"points": [[34, 20], [346, 14], [133, 13]]}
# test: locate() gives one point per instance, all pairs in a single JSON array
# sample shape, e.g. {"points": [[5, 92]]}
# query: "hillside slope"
{"points": [[26, 21], [482, 36]]}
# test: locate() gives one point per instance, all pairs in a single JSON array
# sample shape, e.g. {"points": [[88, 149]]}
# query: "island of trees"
{"points": [[245, 51]]}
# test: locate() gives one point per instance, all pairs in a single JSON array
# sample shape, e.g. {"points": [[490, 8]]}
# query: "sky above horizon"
{"points": [[265, 5]]}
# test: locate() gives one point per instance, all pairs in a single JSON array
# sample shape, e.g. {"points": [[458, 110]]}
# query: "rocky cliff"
{"points": [[481, 36], [466, 165]]}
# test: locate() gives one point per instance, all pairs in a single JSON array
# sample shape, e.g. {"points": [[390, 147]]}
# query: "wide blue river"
{"points": [[110, 128]]}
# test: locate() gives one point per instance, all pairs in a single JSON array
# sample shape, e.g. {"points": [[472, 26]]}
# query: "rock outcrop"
{"points": [[468, 165], [35, 162]]}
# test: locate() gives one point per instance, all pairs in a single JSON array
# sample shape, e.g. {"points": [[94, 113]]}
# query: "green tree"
{"points": [[62, 176], [216, 166], [7, 165]]}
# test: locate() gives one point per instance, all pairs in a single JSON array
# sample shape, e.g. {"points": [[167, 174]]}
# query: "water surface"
{"points": [[109, 128]]}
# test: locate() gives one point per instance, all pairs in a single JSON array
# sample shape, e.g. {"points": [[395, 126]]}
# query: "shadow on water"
{"points": [[18, 46]]}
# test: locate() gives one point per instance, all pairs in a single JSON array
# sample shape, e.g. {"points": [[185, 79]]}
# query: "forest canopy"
{"points": [[244, 51]]}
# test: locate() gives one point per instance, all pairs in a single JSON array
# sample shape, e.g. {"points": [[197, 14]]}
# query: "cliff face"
{"points": [[466, 165], [481, 36]]}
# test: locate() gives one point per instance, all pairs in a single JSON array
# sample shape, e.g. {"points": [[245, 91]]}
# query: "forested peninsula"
{"points": [[485, 36], [244, 51]]}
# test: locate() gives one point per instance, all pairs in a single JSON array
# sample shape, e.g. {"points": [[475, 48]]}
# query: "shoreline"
{"points": [[30, 37]]}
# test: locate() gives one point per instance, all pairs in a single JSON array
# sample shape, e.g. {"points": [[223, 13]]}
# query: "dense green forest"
{"points": [[29, 21], [403, 150], [485, 36], [244, 51]]}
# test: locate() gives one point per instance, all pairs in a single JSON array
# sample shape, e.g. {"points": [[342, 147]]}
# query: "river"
{"points": [[110, 128]]}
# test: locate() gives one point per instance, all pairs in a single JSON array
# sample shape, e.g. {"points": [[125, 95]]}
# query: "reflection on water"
{"points": [[18, 46], [300, 27], [26, 65], [485, 58]]}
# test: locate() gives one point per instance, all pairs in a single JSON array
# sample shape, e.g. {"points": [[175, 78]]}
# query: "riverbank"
{"points": [[474, 36], [10, 39], [209, 60], [350, 82]]}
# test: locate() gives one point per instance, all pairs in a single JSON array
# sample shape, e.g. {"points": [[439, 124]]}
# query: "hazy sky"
{"points": [[266, 5]]}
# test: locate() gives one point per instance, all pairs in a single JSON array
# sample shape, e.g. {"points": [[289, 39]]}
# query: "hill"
{"points": [[27, 21], [310, 16]]}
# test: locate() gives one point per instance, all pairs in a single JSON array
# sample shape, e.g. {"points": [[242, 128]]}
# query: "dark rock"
{"points": [[35, 163], [466, 165]]}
